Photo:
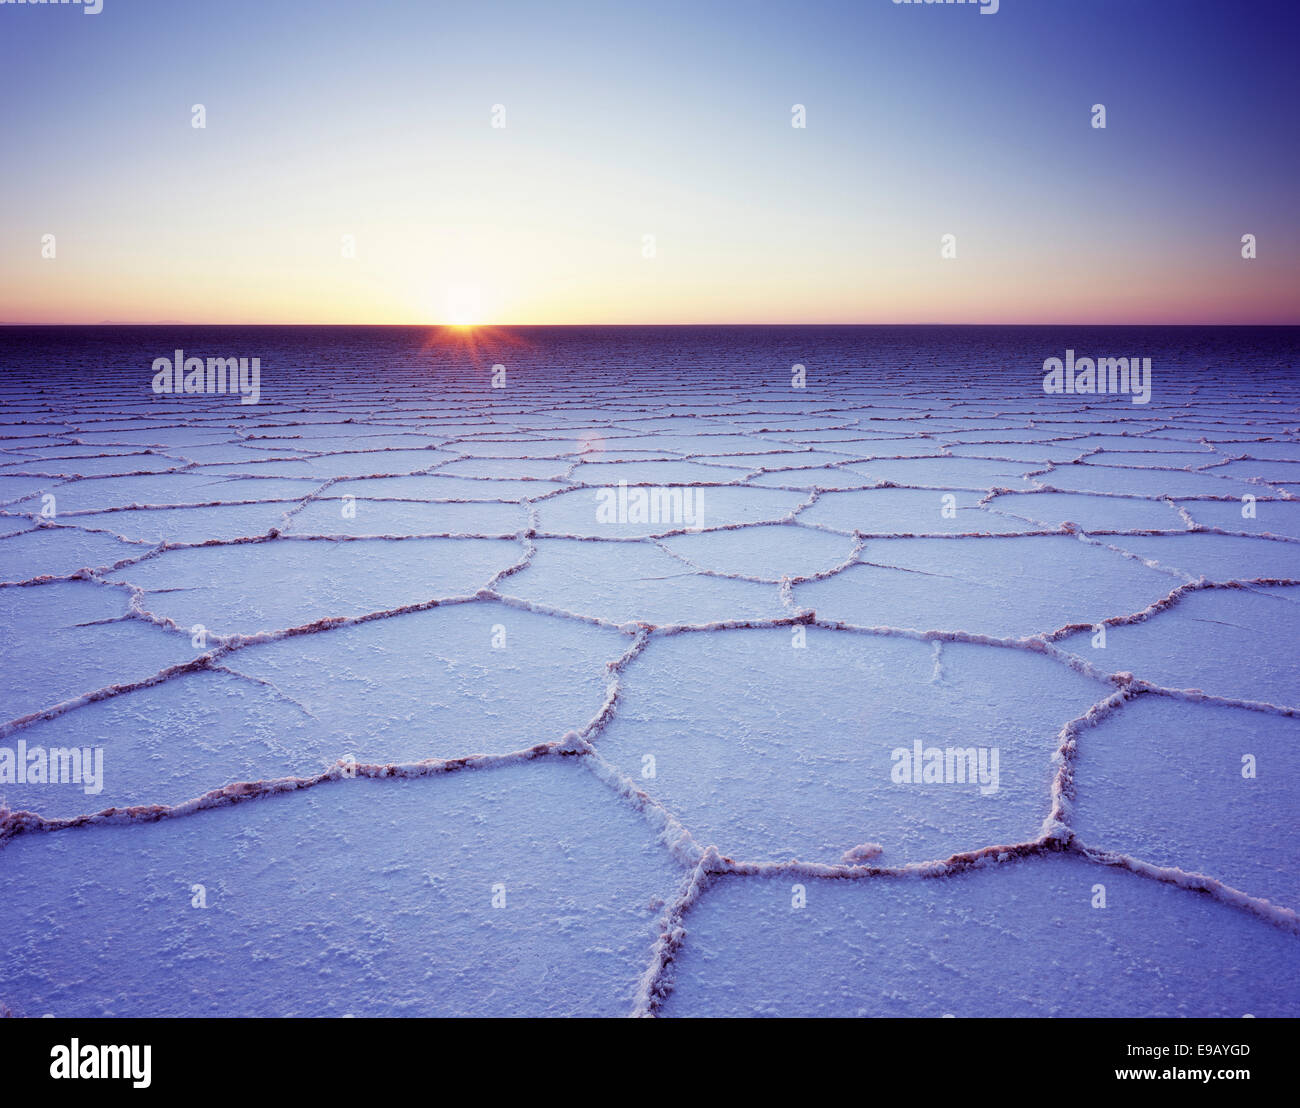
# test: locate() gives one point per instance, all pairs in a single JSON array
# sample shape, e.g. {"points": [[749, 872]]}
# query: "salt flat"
{"points": [[395, 721]]}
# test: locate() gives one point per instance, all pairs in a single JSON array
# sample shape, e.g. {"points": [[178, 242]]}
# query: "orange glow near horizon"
{"points": [[474, 341], [816, 283]]}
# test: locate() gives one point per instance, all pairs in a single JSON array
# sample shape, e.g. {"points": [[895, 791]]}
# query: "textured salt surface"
{"points": [[328, 903], [933, 948], [364, 658]]}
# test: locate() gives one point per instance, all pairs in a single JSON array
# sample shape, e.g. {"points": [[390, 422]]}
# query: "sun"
{"points": [[463, 307]]}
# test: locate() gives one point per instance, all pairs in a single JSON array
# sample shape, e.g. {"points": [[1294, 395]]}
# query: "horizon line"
{"points": [[495, 326]]}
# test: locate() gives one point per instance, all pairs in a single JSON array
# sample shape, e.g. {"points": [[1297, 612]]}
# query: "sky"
{"points": [[631, 119]]}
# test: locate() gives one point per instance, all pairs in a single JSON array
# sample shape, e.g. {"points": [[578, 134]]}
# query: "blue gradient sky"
{"points": [[671, 119]]}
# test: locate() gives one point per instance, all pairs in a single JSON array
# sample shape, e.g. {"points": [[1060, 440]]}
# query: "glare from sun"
{"points": [[462, 307]]}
